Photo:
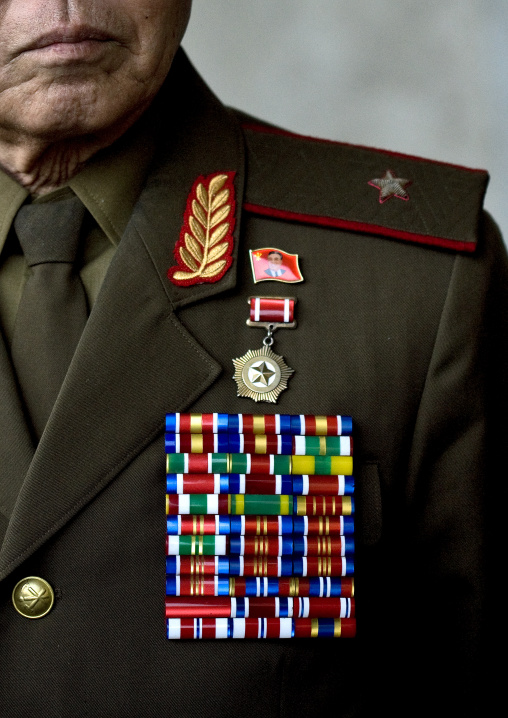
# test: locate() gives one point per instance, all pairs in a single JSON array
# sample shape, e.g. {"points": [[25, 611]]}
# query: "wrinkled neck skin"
{"points": [[41, 166]]}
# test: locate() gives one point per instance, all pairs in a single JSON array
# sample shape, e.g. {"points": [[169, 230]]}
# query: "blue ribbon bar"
{"points": [[347, 425], [284, 608], [261, 586], [326, 628]]}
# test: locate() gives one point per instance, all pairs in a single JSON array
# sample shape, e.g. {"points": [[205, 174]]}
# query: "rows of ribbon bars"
{"points": [[260, 526]]}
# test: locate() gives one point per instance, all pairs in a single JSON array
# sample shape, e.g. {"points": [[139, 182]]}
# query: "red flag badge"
{"points": [[272, 264]]}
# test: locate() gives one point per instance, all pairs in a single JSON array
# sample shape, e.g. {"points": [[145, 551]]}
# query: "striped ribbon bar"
{"points": [[261, 545], [295, 424], [275, 566], [243, 525], [259, 444], [260, 525], [259, 484], [323, 525], [297, 546], [196, 628], [196, 545], [293, 586], [230, 504], [278, 310], [222, 607], [323, 505], [324, 566], [215, 524], [236, 545], [272, 464], [248, 504], [229, 566]]}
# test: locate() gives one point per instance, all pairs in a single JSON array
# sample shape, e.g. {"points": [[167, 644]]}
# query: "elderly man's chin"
{"points": [[71, 92], [71, 105]]}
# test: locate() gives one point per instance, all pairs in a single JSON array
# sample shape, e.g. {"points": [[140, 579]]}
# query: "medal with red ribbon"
{"points": [[260, 374]]}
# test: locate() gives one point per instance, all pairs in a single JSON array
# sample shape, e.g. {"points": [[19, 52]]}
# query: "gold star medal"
{"points": [[261, 374]]}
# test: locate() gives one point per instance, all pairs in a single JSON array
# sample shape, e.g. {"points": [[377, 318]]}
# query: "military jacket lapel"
{"points": [[135, 360], [16, 448]]}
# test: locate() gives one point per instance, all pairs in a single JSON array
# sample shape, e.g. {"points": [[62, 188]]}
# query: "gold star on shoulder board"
{"points": [[391, 186], [261, 375]]}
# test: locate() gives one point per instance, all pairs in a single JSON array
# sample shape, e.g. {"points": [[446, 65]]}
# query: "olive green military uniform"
{"points": [[399, 325]]}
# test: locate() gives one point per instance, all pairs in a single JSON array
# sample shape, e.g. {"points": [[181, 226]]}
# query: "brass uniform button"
{"points": [[33, 597]]}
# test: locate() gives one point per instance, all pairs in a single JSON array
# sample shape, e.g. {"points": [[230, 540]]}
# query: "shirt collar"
{"points": [[12, 196], [108, 185]]}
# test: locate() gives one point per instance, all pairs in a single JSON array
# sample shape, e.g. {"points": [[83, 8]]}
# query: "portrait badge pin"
{"points": [[270, 264], [261, 374]]}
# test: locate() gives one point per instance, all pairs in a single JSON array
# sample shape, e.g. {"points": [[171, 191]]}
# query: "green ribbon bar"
{"points": [[323, 465], [220, 464], [323, 445], [238, 463], [175, 463], [267, 505], [197, 545], [281, 464], [198, 503]]}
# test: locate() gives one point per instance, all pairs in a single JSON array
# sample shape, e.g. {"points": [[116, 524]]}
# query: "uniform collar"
{"points": [[110, 184], [12, 196]]}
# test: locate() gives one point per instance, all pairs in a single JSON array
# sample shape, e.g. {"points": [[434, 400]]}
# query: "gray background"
{"points": [[425, 78]]}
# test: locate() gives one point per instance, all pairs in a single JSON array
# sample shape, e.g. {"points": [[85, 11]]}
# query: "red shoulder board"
{"points": [[363, 189]]}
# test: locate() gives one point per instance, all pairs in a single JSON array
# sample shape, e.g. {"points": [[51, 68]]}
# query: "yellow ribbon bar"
{"points": [[258, 424], [196, 423], [260, 444], [341, 465], [239, 505], [197, 444], [321, 426], [336, 465], [294, 586], [303, 465], [285, 506], [347, 506]]}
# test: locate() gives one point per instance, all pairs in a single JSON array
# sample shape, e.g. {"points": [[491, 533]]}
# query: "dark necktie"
{"points": [[53, 309]]}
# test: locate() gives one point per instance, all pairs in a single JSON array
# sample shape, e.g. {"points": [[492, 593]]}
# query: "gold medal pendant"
{"points": [[260, 374]]}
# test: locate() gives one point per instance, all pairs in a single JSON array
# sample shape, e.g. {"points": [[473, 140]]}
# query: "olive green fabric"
{"points": [[410, 340]]}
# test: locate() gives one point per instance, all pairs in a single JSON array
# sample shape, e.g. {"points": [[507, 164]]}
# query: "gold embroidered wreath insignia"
{"points": [[203, 251]]}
